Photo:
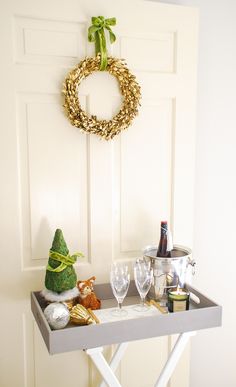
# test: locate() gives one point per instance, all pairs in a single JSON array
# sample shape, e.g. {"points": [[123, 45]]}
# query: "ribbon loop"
{"points": [[65, 260], [96, 33]]}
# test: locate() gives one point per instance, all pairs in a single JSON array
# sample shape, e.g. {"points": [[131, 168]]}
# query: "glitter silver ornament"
{"points": [[57, 315]]}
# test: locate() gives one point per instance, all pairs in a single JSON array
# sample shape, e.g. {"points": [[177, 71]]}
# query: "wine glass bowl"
{"points": [[120, 280], [143, 276]]}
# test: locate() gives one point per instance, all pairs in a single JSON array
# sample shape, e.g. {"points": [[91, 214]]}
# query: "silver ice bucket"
{"points": [[170, 272]]}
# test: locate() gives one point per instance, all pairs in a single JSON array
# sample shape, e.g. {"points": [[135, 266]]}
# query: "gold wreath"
{"points": [[129, 88]]}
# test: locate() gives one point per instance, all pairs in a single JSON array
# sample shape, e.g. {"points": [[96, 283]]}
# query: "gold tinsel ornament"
{"points": [[79, 315], [129, 88]]}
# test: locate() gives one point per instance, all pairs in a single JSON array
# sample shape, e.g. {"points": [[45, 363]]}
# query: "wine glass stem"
{"points": [[142, 301], [119, 306]]}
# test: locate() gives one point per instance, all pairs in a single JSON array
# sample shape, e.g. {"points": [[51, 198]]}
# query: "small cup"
{"points": [[178, 300]]}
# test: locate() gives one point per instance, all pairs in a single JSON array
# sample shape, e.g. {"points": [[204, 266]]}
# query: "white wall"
{"points": [[214, 350]]}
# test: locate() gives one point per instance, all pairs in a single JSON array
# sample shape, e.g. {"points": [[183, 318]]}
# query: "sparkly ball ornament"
{"points": [[57, 315]]}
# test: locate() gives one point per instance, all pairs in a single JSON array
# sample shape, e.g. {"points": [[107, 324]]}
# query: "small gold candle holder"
{"points": [[178, 300]]}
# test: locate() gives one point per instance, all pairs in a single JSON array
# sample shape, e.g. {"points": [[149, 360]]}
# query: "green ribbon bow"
{"points": [[96, 34], [66, 260]]}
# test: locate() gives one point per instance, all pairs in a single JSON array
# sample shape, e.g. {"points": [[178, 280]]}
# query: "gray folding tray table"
{"points": [[92, 338]]}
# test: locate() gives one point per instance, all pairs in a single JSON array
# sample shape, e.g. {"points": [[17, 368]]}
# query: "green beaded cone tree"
{"points": [[65, 279]]}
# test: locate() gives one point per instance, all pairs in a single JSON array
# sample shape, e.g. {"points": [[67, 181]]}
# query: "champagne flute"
{"points": [[119, 279], [143, 276]]}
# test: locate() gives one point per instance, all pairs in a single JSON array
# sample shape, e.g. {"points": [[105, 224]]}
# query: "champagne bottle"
{"points": [[165, 244]]}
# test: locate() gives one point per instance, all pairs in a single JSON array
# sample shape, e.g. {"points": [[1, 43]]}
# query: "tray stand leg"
{"points": [[173, 359], [116, 358], [106, 370]]}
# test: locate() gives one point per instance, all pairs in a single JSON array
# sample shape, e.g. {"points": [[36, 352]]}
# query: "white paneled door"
{"points": [[107, 197]]}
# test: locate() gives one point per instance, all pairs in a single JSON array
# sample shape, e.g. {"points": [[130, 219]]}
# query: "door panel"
{"points": [[108, 197], [146, 166]]}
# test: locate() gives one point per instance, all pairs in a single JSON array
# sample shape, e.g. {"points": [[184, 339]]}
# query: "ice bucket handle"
{"points": [[192, 262]]}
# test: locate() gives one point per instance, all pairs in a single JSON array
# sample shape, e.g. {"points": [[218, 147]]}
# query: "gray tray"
{"points": [[207, 314]]}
